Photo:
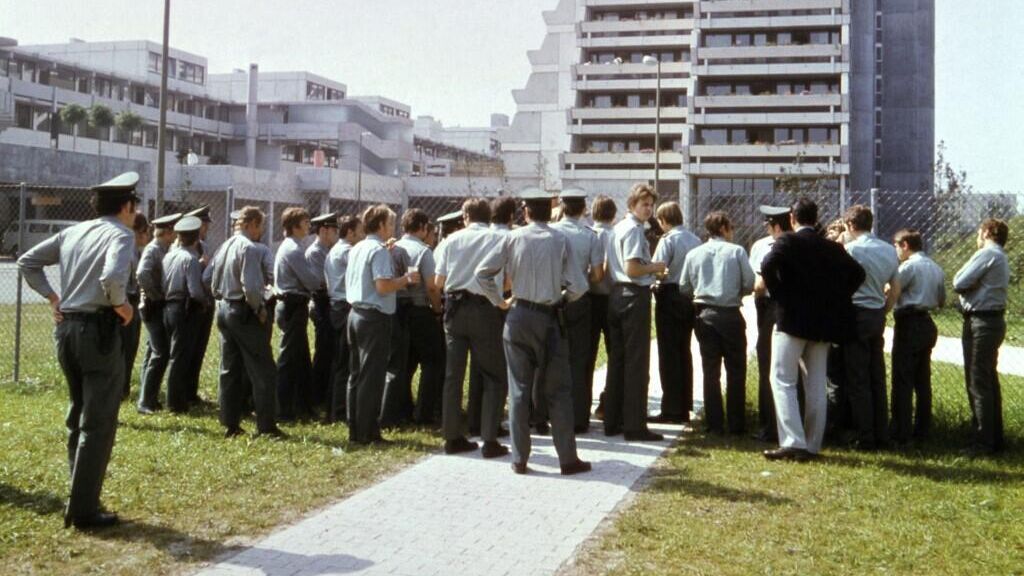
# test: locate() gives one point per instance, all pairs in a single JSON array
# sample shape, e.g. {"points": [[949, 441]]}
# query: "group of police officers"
{"points": [[524, 309]]}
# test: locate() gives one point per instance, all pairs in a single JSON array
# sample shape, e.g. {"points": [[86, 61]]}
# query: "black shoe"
{"points": [[492, 449], [542, 429], [668, 419], [458, 446], [794, 454], [765, 436], [581, 429], [274, 432], [577, 467], [234, 431], [145, 410], [612, 430], [502, 432], [96, 521], [520, 467], [644, 436]]}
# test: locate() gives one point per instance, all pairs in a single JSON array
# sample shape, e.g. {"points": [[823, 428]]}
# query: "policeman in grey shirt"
{"points": [[206, 318], [864, 356], [294, 283], [350, 232], [717, 275], [922, 289], [95, 259], [150, 275], [186, 304], [982, 285], [539, 261], [603, 213], [325, 228]]}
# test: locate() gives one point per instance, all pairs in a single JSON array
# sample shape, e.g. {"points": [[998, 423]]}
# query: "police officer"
{"points": [[603, 213], [370, 287], [150, 275], [673, 318], [588, 253], [205, 319], [238, 284], [350, 232], [95, 259], [472, 325], [325, 227], [629, 320], [982, 285], [717, 275], [294, 283], [449, 224], [922, 289], [133, 331], [186, 303], [540, 261]]}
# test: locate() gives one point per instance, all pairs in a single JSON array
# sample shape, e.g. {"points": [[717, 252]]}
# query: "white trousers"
{"points": [[790, 357]]}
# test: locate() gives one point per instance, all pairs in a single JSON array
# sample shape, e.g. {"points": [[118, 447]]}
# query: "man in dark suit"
{"points": [[812, 281]]}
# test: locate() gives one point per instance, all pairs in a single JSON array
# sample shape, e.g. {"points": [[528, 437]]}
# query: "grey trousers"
{"points": [[673, 321], [577, 318], [337, 403], [92, 358], [323, 349], [182, 324], [982, 336], [914, 337], [130, 336], [538, 355], [397, 406], [293, 362], [426, 348], [629, 358], [369, 337], [722, 335], [204, 326], [864, 360], [473, 326], [158, 351], [247, 361], [598, 325]]}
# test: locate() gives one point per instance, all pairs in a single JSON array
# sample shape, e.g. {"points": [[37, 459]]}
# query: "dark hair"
{"points": [[603, 209], [573, 207], [997, 230], [478, 210], [414, 220], [805, 211], [716, 222], [538, 210], [503, 210], [375, 217], [859, 217], [671, 214], [188, 238], [111, 204], [249, 215], [348, 224], [292, 217], [911, 237], [639, 192], [141, 223]]}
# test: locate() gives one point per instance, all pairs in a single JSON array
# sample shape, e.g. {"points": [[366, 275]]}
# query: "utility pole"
{"points": [[161, 140]]}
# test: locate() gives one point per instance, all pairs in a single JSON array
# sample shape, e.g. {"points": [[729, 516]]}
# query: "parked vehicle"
{"points": [[35, 232]]}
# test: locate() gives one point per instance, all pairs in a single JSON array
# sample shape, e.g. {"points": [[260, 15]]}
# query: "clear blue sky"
{"points": [[458, 60]]}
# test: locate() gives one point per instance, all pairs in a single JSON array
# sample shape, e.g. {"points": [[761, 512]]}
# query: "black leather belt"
{"points": [[985, 313], [289, 298], [467, 296], [910, 313], [101, 315], [701, 307]]}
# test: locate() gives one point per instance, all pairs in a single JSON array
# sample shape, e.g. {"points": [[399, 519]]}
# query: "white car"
{"points": [[35, 232]]}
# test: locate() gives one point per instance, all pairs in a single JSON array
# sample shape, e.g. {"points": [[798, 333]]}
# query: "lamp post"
{"points": [[652, 61], [161, 140], [359, 178]]}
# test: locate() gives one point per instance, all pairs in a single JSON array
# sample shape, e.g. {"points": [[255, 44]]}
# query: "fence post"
{"points": [[229, 199], [22, 193], [874, 210]]}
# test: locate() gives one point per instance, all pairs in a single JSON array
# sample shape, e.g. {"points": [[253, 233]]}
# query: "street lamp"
{"points": [[359, 180], [652, 61], [161, 139]]}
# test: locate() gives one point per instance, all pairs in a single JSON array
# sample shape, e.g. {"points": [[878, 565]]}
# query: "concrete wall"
{"points": [[63, 168]]}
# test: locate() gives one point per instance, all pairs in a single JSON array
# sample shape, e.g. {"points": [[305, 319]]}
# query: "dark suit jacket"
{"points": [[812, 281]]}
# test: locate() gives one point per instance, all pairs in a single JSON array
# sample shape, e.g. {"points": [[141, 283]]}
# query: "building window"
{"points": [[714, 137], [23, 115], [315, 91]]}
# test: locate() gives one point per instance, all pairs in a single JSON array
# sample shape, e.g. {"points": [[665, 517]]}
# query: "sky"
{"points": [[459, 60]]}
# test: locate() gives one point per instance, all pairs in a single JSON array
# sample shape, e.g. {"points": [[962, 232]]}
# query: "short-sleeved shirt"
{"points": [[629, 243], [922, 284], [183, 275], [758, 251], [881, 266], [368, 262], [717, 273], [983, 280], [540, 261], [416, 255], [334, 271], [459, 255], [316, 254], [587, 250], [238, 272], [672, 250], [292, 272], [604, 235], [150, 272]]}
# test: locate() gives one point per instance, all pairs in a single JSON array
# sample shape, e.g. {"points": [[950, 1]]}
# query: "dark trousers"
{"points": [[722, 335], [130, 335], [182, 323], [246, 367], [982, 337], [673, 322], [598, 325], [369, 338], [577, 319], [426, 348], [158, 351], [864, 361], [293, 363], [914, 337], [323, 349], [204, 325], [629, 358], [473, 325], [91, 356], [538, 359], [839, 418], [397, 405], [765, 397], [476, 396], [337, 402]]}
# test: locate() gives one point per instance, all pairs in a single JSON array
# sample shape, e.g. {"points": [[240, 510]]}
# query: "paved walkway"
{"points": [[457, 515]]}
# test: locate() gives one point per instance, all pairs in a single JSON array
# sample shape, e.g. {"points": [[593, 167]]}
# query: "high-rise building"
{"points": [[742, 96]]}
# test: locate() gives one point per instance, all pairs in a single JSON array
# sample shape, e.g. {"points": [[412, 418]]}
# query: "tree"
{"points": [[72, 115], [948, 180], [128, 123], [100, 118]]}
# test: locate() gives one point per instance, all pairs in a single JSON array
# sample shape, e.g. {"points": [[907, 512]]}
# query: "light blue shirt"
{"points": [[459, 255], [881, 266], [183, 275], [316, 254], [587, 250], [922, 283], [539, 260], [368, 262], [150, 273], [292, 272], [983, 280], [629, 243], [672, 250], [604, 236], [238, 272], [334, 271], [416, 255], [717, 273]]}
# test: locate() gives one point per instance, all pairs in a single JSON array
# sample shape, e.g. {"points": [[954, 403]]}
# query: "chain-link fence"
{"points": [[29, 214]]}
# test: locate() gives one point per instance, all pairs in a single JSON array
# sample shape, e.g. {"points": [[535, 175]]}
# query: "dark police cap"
{"points": [[773, 212], [534, 193], [573, 194], [166, 222], [202, 213], [120, 186], [188, 224], [450, 217], [329, 220]]}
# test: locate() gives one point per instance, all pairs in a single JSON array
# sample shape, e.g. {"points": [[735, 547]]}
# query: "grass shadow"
{"points": [[676, 480], [958, 471], [40, 503]]}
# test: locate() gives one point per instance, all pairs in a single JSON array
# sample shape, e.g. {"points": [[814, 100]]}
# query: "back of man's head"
{"points": [[805, 211], [478, 210]]}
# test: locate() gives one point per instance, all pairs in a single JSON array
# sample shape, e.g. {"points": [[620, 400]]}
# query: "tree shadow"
{"points": [[958, 470], [170, 427], [272, 562], [677, 481], [41, 503]]}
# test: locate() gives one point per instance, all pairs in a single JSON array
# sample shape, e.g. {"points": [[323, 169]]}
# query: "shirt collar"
{"points": [[499, 227], [375, 238], [804, 227], [413, 239], [477, 226]]}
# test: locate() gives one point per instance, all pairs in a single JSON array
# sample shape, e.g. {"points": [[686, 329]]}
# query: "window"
{"points": [[35, 228], [633, 101], [718, 40], [315, 91], [714, 136], [819, 136], [737, 136], [602, 101], [743, 89], [23, 115], [719, 90]]}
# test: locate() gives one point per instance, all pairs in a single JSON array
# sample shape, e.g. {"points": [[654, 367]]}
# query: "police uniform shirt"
{"points": [[586, 247], [881, 266], [238, 273], [416, 256], [368, 262], [983, 280], [540, 261], [95, 259], [758, 251], [292, 272], [150, 273], [459, 255], [672, 250], [334, 271], [183, 276], [922, 283], [501, 230], [717, 273], [316, 255], [629, 243], [604, 236]]}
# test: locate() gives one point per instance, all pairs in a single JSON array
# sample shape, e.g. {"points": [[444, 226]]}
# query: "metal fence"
{"points": [[29, 213]]}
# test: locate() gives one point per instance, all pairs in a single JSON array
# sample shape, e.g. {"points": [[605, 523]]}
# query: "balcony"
{"points": [[673, 41], [635, 3], [744, 70], [636, 25], [764, 150], [771, 170], [621, 158], [769, 101], [771, 119], [632, 175], [633, 85], [713, 6], [794, 51], [771, 22], [630, 69], [624, 129], [624, 113]]}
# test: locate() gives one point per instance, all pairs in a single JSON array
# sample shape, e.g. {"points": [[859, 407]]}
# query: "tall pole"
{"points": [[657, 129], [359, 179], [161, 140]]}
